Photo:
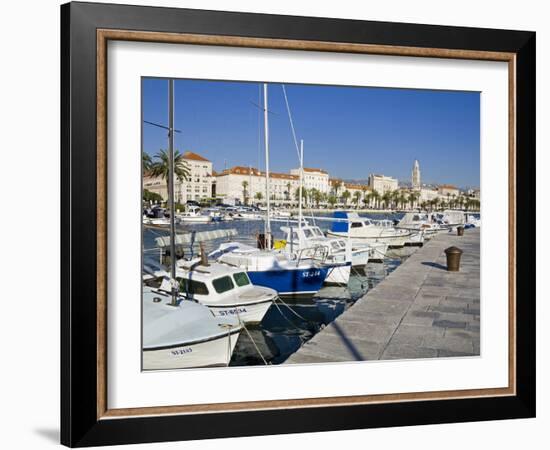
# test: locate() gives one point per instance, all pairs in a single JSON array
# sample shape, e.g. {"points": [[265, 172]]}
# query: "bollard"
{"points": [[453, 258], [460, 231]]}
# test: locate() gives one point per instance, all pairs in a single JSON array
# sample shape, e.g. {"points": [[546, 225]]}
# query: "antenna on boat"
{"points": [[171, 174], [266, 143]]}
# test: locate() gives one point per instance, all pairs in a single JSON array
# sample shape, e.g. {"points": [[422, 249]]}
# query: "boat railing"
{"points": [[318, 253]]}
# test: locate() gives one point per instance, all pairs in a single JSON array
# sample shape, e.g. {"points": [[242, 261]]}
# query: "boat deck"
{"points": [[418, 311]]}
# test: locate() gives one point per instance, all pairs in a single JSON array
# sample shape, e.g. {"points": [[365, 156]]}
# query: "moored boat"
{"points": [[184, 335]]}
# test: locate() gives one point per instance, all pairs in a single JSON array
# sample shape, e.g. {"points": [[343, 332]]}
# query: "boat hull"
{"points": [[248, 313], [395, 241], [338, 275], [215, 352], [291, 282]]}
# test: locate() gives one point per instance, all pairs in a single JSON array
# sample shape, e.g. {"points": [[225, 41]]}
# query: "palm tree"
{"points": [[366, 199], [332, 200], [386, 198], [287, 193], [259, 196], [356, 197], [402, 199], [146, 162], [336, 186], [376, 197], [245, 192], [346, 195], [317, 196], [160, 167]]}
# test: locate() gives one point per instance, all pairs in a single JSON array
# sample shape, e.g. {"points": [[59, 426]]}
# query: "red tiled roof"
{"points": [[308, 169], [194, 156], [447, 186], [241, 170]]}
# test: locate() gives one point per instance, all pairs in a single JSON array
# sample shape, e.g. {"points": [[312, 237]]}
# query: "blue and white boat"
{"points": [[289, 276]]}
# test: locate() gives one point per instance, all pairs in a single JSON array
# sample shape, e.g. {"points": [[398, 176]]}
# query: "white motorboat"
{"points": [[156, 221], [186, 335], [307, 239], [472, 220], [193, 214], [226, 290], [363, 230], [417, 221], [450, 219]]}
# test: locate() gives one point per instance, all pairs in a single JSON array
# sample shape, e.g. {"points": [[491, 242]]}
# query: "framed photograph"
{"points": [[276, 224]]}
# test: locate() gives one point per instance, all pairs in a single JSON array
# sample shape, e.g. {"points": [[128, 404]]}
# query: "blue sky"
{"points": [[349, 131]]}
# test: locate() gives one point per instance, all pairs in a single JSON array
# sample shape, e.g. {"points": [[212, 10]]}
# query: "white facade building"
{"points": [[244, 183], [197, 187], [382, 184], [314, 179]]}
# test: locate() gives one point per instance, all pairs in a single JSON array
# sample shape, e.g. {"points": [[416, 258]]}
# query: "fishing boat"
{"points": [[185, 334], [289, 276], [450, 219], [363, 230], [194, 215], [417, 221], [308, 241], [226, 290]]}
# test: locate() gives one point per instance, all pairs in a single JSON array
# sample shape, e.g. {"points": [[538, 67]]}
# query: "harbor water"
{"points": [[289, 323]]}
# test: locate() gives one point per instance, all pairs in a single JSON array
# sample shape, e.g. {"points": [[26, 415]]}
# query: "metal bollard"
{"points": [[453, 258], [460, 231]]}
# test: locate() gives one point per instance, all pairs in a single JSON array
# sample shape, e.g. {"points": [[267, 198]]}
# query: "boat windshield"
{"points": [[223, 284], [317, 232], [241, 279], [308, 233], [192, 287]]}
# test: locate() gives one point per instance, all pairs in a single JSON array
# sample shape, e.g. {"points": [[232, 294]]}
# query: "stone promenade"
{"points": [[418, 311]]}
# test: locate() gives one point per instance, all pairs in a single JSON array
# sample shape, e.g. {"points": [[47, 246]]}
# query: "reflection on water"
{"points": [[290, 322]]}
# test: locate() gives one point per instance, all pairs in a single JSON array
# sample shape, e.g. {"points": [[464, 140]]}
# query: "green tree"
{"points": [[160, 167], [387, 198], [259, 196], [149, 196], [332, 200], [376, 197], [336, 187], [346, 195], [146, 162]]}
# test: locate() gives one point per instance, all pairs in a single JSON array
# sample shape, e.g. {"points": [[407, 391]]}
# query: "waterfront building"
{"points": [[314, 179], [447, 190], [382, 184], [415, 179], [197, 187], [243, 184]]}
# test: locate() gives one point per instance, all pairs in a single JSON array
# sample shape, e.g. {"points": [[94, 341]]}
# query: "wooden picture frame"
{"points": [[85, 417]]}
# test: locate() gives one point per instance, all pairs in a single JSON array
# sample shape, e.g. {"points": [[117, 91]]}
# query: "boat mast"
{"points": [[171, 174], [266, 143], [301, 183]]}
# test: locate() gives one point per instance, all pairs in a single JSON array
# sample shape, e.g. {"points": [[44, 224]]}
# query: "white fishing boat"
{"points": [[472, 220], [184, 335], [363, 230], [417, 221], [156, 221], [194, 215], [225, 290], [450, 219]]}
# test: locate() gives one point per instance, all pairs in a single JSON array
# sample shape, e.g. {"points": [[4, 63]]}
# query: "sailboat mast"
{"points": [[301, 183], [268, 195], [171, 175]]}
